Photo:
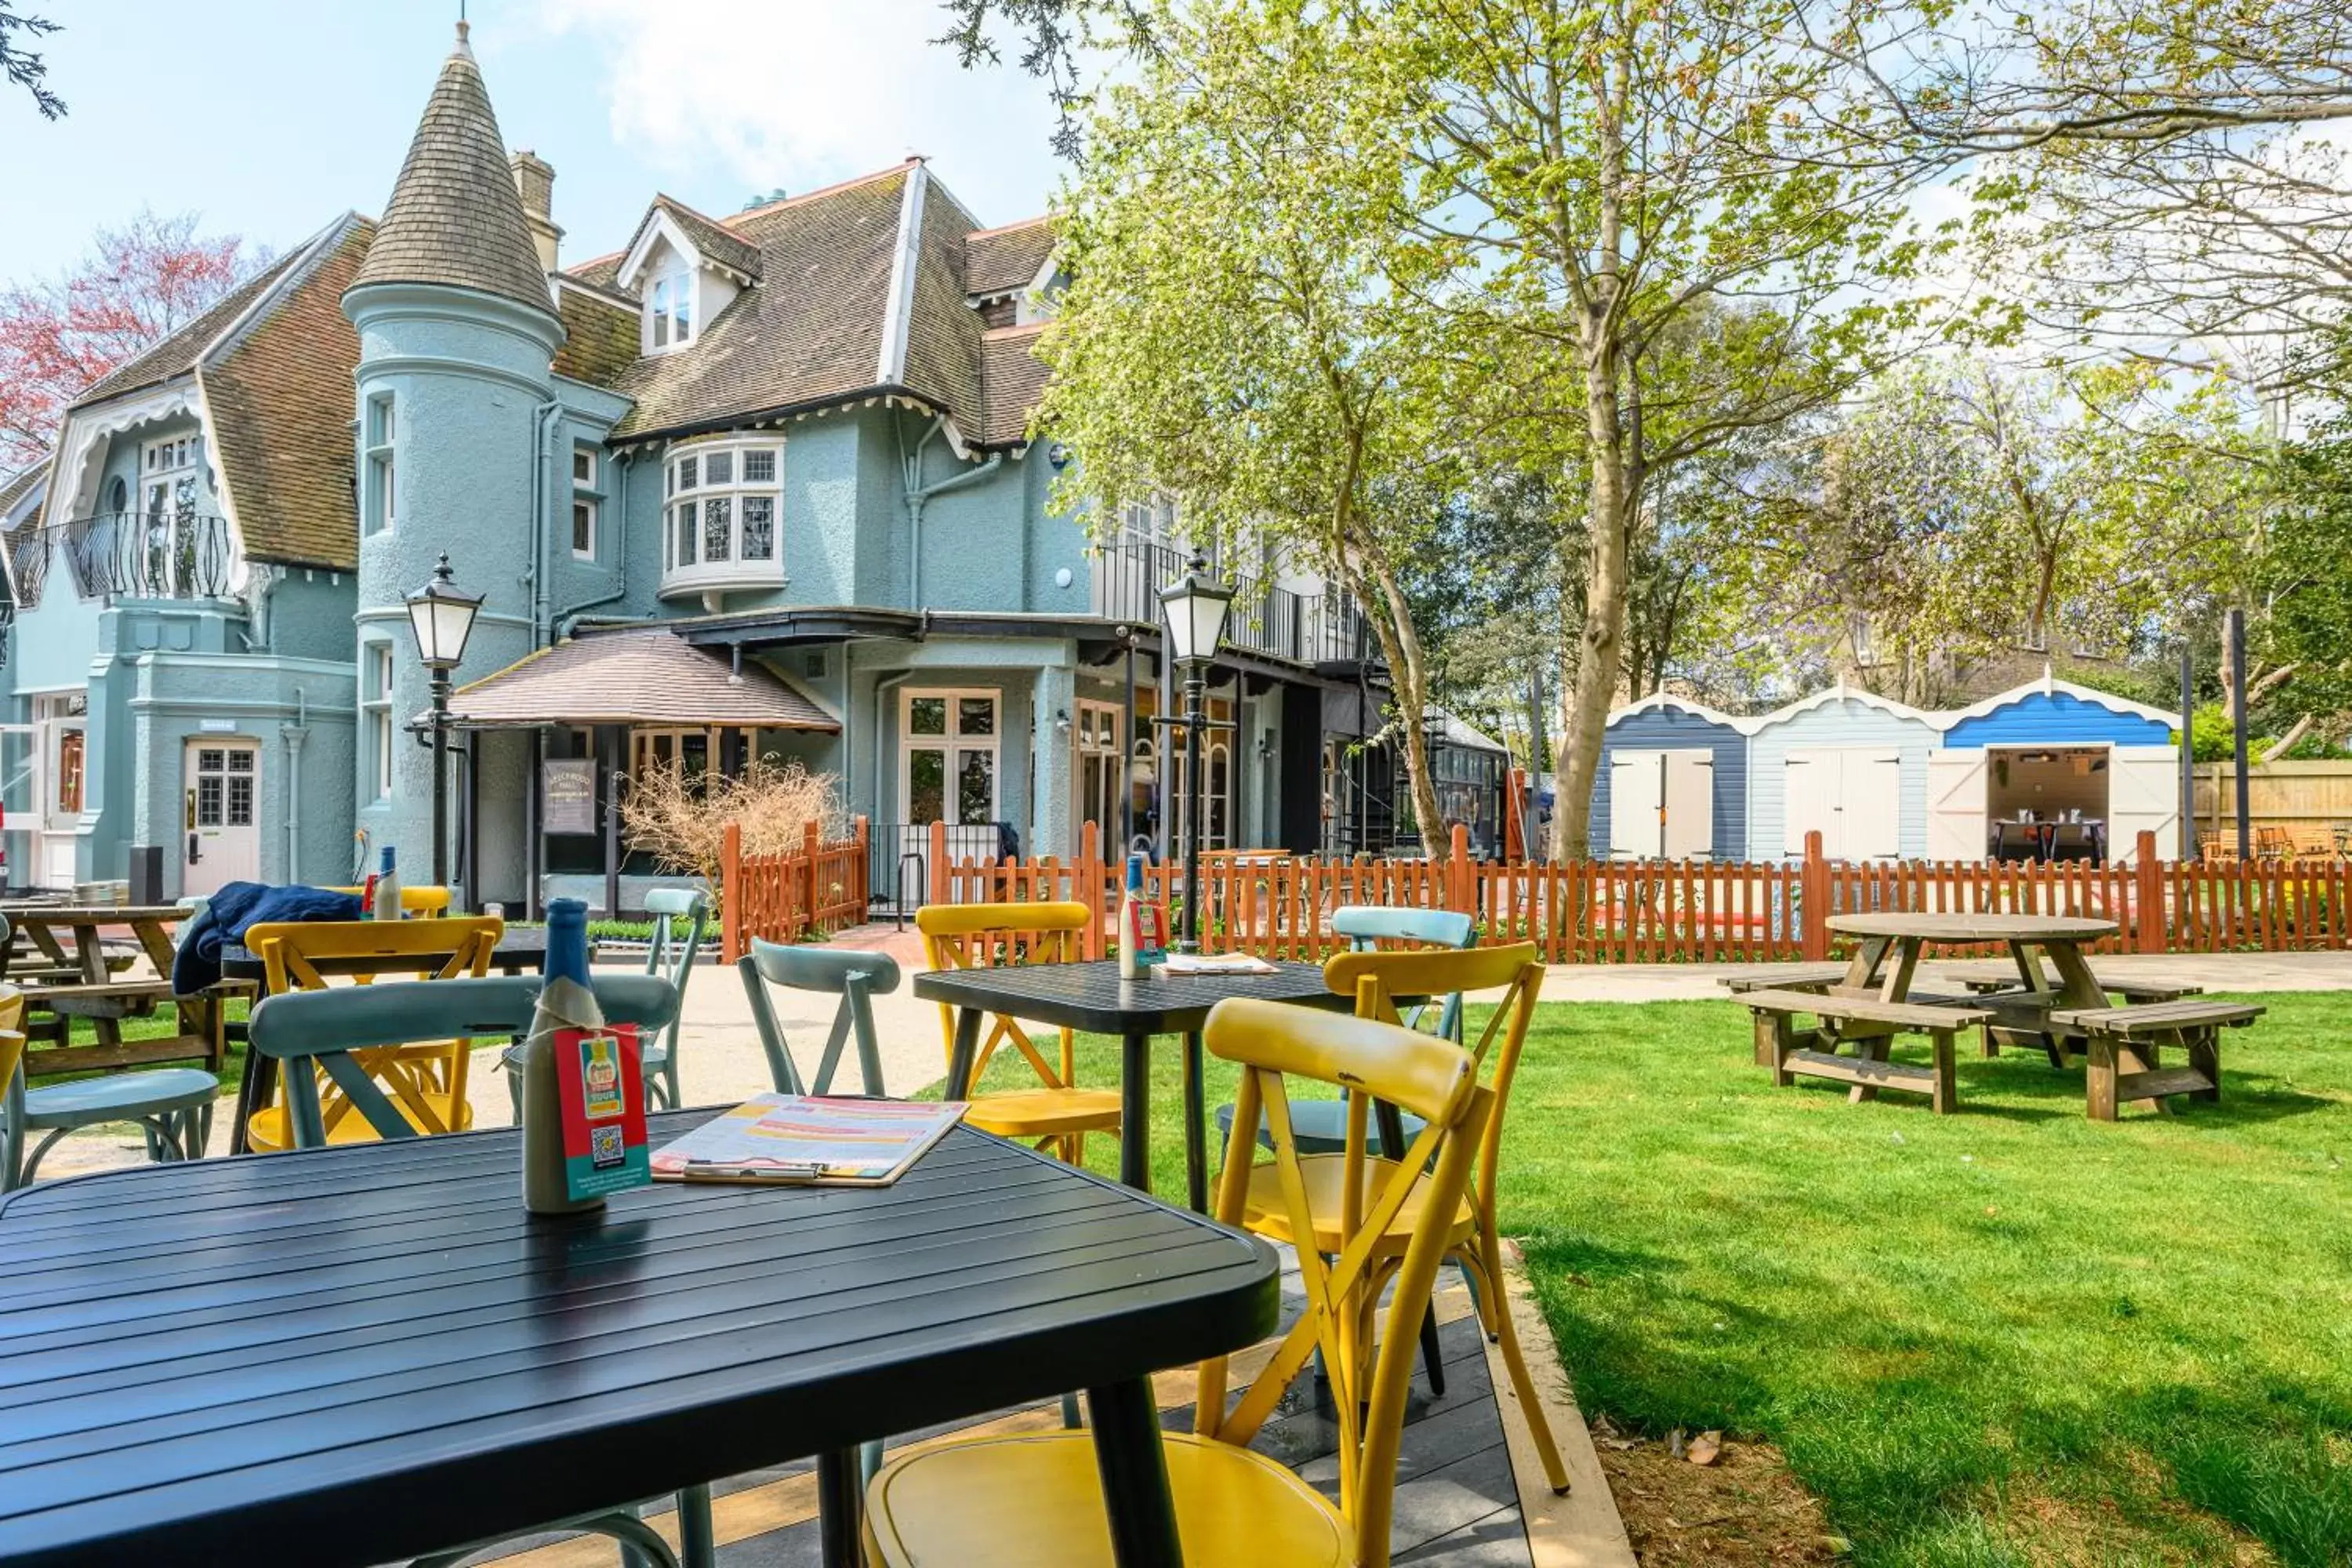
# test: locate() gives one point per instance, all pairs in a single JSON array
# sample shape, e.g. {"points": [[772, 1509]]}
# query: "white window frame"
{"points": [[588, 501], [1099, 737], [952, 745], [380, 431], [375, 703], [693, 501], [670, 311]]}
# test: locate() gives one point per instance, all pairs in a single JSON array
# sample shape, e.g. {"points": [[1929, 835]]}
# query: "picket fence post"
{"points": [[1813, 899], [731, 890], [1087, 889], [861, 870], [1461, 885], [2150, 914], [938, 863]]}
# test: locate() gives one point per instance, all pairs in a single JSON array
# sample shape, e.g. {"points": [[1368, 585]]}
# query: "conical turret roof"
{"points": [[455, 216]]}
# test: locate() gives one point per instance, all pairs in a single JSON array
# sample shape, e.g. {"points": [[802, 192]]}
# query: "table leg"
{"points": [[93, 970], [1135, 1111], [840, 1510], [1865, 963], [1125, 1420], [1196, 1115], [966, 1052]]}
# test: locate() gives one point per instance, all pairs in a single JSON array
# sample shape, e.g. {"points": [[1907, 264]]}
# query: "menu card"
{"points": [[809, 1140]]}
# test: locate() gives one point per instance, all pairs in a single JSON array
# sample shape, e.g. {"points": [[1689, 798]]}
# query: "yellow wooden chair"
{"points": [[426, 1081], [1057, 1114], [1375, 980], [426, 902], [1037, 1497]]}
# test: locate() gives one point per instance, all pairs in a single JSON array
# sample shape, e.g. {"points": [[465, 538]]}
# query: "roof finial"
{"points": [[463, 31]]}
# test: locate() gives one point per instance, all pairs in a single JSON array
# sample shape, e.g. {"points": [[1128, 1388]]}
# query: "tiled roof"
{"points": [[455, 216], [279, 397], [943, 332], [715, 243], [811, 330], [17, 489], [598, 272], [1000, 260], [176, 354], [1016, 379], [603, 340], [634, 677]]}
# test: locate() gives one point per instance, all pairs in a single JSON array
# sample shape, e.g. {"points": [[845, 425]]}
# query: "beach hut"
{"points": [[1673, 784], [2054, 770], [1850, 764]]}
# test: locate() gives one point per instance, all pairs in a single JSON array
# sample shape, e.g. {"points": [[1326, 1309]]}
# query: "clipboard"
{"points": [[808, 1141]]}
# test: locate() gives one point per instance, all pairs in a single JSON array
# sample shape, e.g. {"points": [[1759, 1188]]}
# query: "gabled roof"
{"points": [[2051, 686], [455, 217], [1841, 692], [1006, 261], [22, 495], [636, 677], [725, 250], [1660, 701], [177, 353], [278, 392]]}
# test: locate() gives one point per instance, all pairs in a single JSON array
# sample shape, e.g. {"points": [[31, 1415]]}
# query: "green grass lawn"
{"points": [[2011, 1336]]}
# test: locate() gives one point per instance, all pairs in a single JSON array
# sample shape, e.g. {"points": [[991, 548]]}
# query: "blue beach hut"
{"points": [[2052, 768], [1848, 764], [1672, 782]]}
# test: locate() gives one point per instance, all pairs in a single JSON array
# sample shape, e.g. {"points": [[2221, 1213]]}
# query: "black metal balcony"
{"points": [[1306, 629], [129, 554]]}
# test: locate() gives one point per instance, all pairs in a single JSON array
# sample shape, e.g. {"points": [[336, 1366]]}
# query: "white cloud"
{"points": [[800, 93]]}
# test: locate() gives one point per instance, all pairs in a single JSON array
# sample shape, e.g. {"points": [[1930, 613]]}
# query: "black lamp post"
{"points": [[442, 617], [1194, 607]]}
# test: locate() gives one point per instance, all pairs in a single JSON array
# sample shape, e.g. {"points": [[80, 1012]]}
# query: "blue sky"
{"points": [[270, 118]]}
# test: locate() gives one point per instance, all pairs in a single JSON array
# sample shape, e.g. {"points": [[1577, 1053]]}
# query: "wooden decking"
{"points": [[1457, 1504]]}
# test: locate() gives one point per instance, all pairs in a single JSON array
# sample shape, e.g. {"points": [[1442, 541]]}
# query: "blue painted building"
{"points": [[798, 438], [1672, 782], [1847, 763], [2053, 767]]}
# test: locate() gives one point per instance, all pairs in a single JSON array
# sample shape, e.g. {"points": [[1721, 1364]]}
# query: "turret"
{"points": [[454, 421]]}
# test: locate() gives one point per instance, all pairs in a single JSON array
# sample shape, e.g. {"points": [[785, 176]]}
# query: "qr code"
{"points": [[605, 1147]]}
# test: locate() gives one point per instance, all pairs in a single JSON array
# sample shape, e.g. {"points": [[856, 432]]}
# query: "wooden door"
{"points": [[1637, 799], [2143, 796], [1957, 805], [1689, 825], [223, 842]]}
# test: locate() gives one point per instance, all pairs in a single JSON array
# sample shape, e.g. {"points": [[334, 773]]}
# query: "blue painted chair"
{"points": [[671, 908], [172, 1105], [322, 1029], [857, 977]]}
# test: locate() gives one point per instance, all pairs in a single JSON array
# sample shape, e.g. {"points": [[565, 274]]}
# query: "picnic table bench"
{"points": [[1786, 978], [1994, 974], [2122, 1048], [1869, 1025]]}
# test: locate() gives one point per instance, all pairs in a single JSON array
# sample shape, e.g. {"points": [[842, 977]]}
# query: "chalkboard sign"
{"points": [[568, 793]]}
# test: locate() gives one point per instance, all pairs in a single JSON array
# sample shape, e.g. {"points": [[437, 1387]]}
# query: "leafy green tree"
{"points": [[2308, 577]]}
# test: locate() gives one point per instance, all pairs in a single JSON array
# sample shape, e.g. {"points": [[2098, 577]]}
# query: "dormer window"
{"points": [[672, 308]]}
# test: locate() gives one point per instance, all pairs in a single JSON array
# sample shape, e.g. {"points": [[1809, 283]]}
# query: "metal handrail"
{"points": [[1307, 628], [180, 555]]}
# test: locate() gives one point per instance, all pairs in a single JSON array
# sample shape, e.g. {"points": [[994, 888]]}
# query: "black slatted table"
{"points": [[1091, 996], [358, 1355]]}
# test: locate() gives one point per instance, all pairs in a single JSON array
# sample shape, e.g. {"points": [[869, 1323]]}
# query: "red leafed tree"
{"points": [[139, 284]]}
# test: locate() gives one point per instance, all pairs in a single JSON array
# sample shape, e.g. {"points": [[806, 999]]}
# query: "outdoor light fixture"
{"points": [[1194, 607], [441, 614]]}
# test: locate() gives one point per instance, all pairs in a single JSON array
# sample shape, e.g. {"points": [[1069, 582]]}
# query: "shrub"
{"points": [[682, 822]]}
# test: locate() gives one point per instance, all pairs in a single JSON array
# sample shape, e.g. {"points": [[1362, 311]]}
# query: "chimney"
{"points": [[534, 180]]}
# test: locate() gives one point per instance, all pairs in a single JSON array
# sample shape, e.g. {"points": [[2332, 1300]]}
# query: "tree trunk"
{"points": [[1409, 680], [1600, 652]]}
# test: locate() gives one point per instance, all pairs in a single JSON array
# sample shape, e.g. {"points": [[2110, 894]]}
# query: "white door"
{"points": [[1690, 805], [1852, 796], [1957, 805], [2143, 796], [223, 830], [1809, 794], [1637, 799]]}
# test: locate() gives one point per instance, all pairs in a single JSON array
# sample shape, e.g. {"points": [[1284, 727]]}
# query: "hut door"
{"points": [[1637, 804], [2143, 796], [1690, 805], [1957, 805]]}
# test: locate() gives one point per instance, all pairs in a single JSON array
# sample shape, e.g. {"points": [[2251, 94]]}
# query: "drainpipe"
{"points": [[294, 736], [622, 463], [541, 488], [919, 492]]}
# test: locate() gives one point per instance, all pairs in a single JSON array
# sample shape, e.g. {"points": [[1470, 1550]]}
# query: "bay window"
{"points": [[722, 504]]}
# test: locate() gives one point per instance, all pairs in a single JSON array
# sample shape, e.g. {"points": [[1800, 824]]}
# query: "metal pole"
{"points": [[2188, 754], [2237, 624], [1127, 762], [440, 778], [1195, 685]]}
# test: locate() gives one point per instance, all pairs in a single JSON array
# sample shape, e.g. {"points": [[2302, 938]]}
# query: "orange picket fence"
{"points": [[1279, 905], [786, 898]]}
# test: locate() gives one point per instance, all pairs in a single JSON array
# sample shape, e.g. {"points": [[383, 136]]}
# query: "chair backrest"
{"points": [[363, 950], [1367, 925], [674, 908], [1377, 979], [12, 1039], [854, 976], [986, 936], [327, 1027], [1435, 1080]]}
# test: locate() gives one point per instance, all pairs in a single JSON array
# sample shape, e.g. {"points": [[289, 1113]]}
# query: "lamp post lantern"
{"points": [[1194, 607], [441, 616]]}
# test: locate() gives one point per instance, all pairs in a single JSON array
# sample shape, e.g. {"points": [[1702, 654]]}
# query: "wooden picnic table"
{"points": [[358, 1355], [94, 993]]}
